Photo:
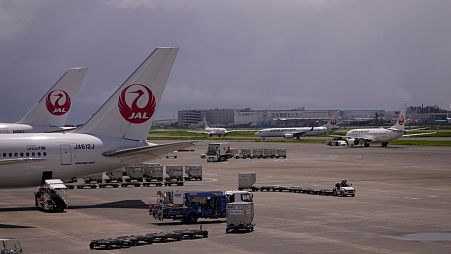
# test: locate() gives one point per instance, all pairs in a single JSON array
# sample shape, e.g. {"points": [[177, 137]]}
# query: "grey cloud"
{"points": [[259, 54]]}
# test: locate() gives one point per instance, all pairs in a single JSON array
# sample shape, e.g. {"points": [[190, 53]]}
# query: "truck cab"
{"points": [[219, 152], [343, 189], [239, 196]]}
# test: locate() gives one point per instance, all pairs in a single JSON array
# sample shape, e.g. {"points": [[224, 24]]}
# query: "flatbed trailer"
{"points": [[110, 184], [126, 184], [296, 189], [128, 241], [87, 186], [156, 184]]}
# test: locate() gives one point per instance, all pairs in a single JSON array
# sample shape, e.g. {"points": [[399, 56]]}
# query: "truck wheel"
{"points": [[91, 246], [353, 195], [342, 194]]}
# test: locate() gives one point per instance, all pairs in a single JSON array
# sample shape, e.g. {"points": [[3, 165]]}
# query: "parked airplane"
{"points": [[380, 135], [51, 111], [298, 132], [115, 136]]}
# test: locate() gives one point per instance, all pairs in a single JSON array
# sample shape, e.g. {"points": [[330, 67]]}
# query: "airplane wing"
{"points": [[418, 134], [19, 160], [151, 151]]}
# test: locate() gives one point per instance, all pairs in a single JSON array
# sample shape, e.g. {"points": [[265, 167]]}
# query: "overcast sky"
{"points": [[321, 54]]}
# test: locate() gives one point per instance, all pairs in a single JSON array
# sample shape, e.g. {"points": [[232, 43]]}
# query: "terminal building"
{"points": [[257, 118]]}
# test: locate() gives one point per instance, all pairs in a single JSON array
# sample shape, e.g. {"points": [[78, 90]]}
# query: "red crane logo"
{"points": [[333, 121], [60, 105], [401, 120], [134, 113]]}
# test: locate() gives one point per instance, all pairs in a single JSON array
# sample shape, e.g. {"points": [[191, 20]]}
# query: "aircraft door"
{"points": [[66, 154]]}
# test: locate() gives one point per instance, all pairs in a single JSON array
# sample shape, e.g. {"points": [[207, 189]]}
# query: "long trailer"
{"points": [[305, 190]]}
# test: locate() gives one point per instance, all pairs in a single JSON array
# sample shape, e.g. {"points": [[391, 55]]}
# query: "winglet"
{"points": [[401, 121], [129, 112], [53, 109]]}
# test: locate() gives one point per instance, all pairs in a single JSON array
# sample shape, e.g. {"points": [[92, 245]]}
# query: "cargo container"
{"points": [[193, 172]]}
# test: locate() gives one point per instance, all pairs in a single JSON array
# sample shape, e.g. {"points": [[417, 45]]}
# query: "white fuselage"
{"points": [[7, 128], [282, 132], [216, 131], [64, 154], [376, 135]]}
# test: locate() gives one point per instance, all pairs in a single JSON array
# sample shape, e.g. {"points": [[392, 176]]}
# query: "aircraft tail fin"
{"points": [[332, 123], [129, 112], [53, 109], [401, 121], [205, 123]]}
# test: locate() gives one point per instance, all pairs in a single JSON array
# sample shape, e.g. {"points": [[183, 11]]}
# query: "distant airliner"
{"points": [[115, 136], [215, 131], [380, 135], [298, 132], [51, 111]]}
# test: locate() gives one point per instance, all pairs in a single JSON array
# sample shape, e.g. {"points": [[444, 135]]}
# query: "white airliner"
{"points": [[51, 111], [380, 135], [298, 132], [215, 131], [115, 136]]}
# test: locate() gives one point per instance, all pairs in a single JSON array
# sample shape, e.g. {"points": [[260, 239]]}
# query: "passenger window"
{"points": [[27, 154], [21, 154], [44, 153], [4, 154], [32, 154], [39, 154], [10, 155], [16, 155]]}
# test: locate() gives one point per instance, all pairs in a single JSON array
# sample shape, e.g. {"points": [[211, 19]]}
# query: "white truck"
{"points": [[218, 152], [193, 172], [51, 196], [246, 181], [174, 175], [240, 211], [281, 153], [344, 189], [338, 141]]}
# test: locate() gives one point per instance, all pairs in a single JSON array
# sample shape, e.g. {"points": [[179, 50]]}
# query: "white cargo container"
{"points": [[246, 181], [269, 153], [152, 172], [281, 153], [115, 175], [240, 216], [174, 175], [193, 172], [135, 173], [257, 153], [98, 178]]}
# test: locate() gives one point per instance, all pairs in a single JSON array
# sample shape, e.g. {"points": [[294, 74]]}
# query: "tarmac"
{"points": [[402, 205]]}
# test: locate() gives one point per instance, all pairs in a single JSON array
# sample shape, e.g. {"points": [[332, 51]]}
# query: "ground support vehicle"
{"points": [[240, 216], [281, 153], [246, 181], [51, 196], [150, 238], [134, 173], [343, 189], [192, 233], [115, 175], [10, 246], [189, 206], [338, 141], [193, 172], [269, 153], [171, 155], [244, 153], [218, 152], [174, 175], [152, 172], [110, 243], [94, 178], [257, 153]]}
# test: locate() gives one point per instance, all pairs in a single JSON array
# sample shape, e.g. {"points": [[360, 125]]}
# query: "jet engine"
{"points": [[288, 136]]}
